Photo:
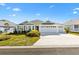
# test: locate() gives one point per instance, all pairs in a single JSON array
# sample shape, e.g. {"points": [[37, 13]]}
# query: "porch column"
{"points": [[73, 27], [40, 28], [57, 29], [31, 27], [24, 27]]}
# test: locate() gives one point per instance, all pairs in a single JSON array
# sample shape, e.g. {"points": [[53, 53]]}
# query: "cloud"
{"points": [[51, 6], [75, 12], [76, 9], [13, 15], [8, 8], [2, 4], [38, 14], [16, 9]]}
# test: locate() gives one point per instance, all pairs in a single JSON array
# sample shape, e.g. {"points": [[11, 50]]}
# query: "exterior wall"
{"points": [[3, 29], [75, 29], [11, 30], [72, 28]]}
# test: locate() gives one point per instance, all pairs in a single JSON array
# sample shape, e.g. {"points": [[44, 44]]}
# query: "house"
{"points": [[45, 28], [6, 25], [73, 25]]}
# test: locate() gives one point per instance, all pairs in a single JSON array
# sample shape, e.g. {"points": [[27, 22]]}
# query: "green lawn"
{"points": [[18, 40], [75, 33]]}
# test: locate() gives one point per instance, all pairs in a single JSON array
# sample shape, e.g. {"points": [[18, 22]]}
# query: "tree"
{"points": [[67, 29], [7, 27]]}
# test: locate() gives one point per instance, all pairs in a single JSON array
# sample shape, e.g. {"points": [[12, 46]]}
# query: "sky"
{"points": [[55, 12]]}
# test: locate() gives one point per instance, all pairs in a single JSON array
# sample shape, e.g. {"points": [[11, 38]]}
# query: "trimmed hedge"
{"points": [[33, 33]]}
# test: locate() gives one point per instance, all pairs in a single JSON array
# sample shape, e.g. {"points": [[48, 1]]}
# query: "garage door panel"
{"points": [[48, 30]]}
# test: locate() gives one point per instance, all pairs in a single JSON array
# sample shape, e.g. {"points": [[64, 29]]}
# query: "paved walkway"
{"points": [[62, 39]]}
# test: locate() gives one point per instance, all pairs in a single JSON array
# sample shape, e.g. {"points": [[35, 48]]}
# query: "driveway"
{"points": [[61, 39]]}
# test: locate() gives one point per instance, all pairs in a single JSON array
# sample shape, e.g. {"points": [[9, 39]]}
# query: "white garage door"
{"points": [[61, 29], [46, 30]]}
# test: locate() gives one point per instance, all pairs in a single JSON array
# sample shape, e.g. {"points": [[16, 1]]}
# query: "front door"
{"points": [[37, 28]]}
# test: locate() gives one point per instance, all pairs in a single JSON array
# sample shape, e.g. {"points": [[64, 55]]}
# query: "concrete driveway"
{"points": [[61, 39]]}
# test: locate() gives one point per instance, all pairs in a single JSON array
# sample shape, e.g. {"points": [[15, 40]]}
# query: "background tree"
{"points": [[7, 27]]}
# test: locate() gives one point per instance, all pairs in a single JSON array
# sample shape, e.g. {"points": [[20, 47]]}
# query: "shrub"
{"points": [[1, 31], [20, 32], [33, 33], [4, 37], [67, 30]]}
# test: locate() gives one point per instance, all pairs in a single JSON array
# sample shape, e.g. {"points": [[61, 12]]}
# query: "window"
{"points": [[76, 26], [54, 26]]}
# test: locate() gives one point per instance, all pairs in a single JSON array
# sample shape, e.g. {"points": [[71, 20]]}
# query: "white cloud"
{"points": [[8, 8], [38, 14], [75, 12], [76, 9], [16, 9], [51, 6], [13, 15], [2, 4]]}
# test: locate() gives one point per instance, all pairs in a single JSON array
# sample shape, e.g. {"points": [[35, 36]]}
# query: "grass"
{"points": [[18, 40], [75, 33]]}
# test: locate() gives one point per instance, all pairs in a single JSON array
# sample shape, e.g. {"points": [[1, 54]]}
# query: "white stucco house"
{"points": [[7, 25], [45, 28], [73, 25]]}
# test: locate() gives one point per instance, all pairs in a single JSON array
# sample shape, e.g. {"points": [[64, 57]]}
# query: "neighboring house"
{"points": [[73, 25], [7, 26], [47, 27]]}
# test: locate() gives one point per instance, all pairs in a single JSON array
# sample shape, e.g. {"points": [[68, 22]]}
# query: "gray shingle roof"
{"points": [[33, 22], [38, 22]]}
